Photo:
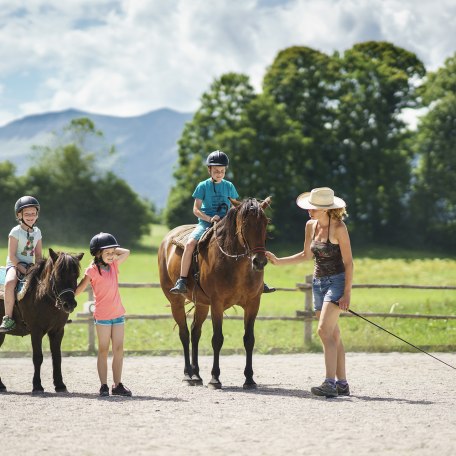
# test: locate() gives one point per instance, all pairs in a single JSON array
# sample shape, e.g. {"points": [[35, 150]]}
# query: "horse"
{"points": [[229, 265], [47, 300]]}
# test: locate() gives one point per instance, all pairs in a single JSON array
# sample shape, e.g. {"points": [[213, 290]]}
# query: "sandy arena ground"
{"points": [[401, 404]]}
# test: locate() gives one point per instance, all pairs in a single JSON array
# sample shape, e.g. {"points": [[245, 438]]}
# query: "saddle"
{"points": [[21, 287], [181, 236]]}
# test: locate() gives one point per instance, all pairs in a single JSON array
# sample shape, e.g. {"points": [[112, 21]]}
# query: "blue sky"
{"points": [[128, 57]]}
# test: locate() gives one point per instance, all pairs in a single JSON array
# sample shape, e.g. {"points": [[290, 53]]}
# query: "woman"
{"points": [[327, 240]]}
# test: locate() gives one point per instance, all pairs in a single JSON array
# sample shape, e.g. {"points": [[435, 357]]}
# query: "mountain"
{"points": [[146, 145]]}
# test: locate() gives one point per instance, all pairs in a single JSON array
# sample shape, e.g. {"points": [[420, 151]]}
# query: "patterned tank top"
{"points": [[328, 258]]}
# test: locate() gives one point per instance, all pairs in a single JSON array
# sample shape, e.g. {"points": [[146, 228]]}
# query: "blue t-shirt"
{"points": [[215, 196]]}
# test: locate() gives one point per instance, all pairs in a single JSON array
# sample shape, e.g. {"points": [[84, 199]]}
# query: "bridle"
{"points": [[248, 252], [58, 294]]}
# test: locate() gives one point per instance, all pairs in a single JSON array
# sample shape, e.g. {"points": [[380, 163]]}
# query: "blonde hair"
{"points": [[338, 214]]}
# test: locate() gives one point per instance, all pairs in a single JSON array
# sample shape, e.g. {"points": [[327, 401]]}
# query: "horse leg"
{"points": [[180, 317], [37, 339], [249, 342], [55, 343], [198, 319], [217, 342], [2, 386]]}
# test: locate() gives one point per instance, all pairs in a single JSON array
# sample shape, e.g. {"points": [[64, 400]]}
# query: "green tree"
{"points": [[434, 195], [77, 199], [377, 81], [221, 110], [11, 189]]}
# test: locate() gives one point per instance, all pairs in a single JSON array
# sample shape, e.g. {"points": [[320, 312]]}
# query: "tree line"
{"points": [[78, 197], [334, 120]]}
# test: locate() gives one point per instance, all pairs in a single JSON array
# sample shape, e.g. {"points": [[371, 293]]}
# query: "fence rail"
{"points": [[307, 315]]}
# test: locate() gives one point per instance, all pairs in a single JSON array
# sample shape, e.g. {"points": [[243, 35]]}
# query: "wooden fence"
{"points": [[306, 315]]}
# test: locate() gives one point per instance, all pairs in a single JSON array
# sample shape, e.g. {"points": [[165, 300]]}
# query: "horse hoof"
{"points": [[188, 381], [3, 389], [214, 385], [38, 391], [250, 386], [197, 381], [61, 389]]}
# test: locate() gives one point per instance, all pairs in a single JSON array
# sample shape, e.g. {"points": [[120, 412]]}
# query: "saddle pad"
{"points": [[2, 275], [181, 237]]}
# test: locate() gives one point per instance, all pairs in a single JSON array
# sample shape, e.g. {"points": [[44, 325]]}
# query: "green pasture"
{"points": [[373, 266]]}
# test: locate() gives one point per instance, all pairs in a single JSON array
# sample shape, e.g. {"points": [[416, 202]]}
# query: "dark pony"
{"points": [[44, 308], [230, 262]]}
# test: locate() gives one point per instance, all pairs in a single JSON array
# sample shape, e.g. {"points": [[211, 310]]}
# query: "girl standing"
{"points": [[109, 312]]}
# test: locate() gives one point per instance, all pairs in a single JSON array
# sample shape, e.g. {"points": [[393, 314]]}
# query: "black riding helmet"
{"points": [[102, 241], [26, 201], [217, 158]]}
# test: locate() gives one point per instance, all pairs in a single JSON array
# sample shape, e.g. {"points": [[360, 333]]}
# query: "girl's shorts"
{"points": [[199, 230], [328, 288], [113, 322]]}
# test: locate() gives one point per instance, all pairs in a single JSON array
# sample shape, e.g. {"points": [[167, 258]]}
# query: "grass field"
{"points": [[371, 266]]}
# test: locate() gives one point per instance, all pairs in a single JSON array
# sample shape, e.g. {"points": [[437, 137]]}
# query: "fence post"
{"points": [[308, 308], [90, 326]]}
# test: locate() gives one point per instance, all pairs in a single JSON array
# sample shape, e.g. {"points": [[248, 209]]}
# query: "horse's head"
{"points": [[251, 224], [63, 273]]}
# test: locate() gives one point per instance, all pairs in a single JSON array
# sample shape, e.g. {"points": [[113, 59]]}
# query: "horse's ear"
{"points": [[53, 255], [79, 256], [234, 202], [266, 203]]}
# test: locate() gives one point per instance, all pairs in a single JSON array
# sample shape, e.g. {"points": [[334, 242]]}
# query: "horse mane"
{"points": [[227, 228], [41, 272]]}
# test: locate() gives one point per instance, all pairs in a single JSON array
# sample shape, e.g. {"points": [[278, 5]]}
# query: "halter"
{"points": [[58, 295], [247, 250]]}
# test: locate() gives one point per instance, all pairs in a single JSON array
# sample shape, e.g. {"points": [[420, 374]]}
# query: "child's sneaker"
{"points": [[8, 324], [325, 389], [120, 390], [343, 390], [104, 390]]}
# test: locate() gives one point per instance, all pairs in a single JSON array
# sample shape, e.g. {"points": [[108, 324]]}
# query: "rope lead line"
{"points": [[397, 337]]}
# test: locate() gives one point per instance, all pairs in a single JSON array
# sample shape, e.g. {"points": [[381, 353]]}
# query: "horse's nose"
{"points": [[70, 306], [259, 262]]}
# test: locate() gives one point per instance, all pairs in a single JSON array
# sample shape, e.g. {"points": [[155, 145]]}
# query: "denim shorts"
{"points": [[328, 288], [113, 322], [199, 230]]}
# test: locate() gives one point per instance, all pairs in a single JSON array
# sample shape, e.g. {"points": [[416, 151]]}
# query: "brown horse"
{"points": [[44, 308], [230, 262]]}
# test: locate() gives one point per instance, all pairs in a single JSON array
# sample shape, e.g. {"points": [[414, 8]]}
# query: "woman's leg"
{"points": [[340, 370], [328, 331], [117, 352], [104, 337]]}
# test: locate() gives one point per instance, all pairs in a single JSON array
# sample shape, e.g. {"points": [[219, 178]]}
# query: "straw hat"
{"points": [[320, 198]]}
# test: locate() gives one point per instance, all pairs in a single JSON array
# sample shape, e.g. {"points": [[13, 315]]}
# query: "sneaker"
{"points": [[120, 390], [8, 324], [180, 287], [104, 390], [266, 289], [343, 390], [325, 389]]}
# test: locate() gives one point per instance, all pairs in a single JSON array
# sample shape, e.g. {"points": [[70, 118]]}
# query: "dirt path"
{"points": [[401, 404]]}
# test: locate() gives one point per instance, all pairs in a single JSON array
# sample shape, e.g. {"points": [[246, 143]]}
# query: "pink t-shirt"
{"points": [[108, 304]]}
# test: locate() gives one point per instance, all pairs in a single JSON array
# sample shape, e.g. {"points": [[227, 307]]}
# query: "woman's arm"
{"points": [[12, 249], [122, 254], [82, 285], [304, 255], [345, 249]]}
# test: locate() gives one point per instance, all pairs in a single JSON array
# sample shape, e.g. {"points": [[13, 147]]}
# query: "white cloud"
{"points": [[126, 57]]}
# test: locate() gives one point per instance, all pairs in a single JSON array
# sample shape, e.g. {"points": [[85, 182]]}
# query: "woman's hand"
{"points": [[271, 257], [344, 302], [215, 218]]}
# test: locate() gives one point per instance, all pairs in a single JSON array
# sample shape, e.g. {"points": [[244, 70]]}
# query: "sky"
{"points": [[129, 57]]}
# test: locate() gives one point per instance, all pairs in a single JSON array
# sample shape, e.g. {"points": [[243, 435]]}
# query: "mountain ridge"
{"points": [[146, 144]]}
